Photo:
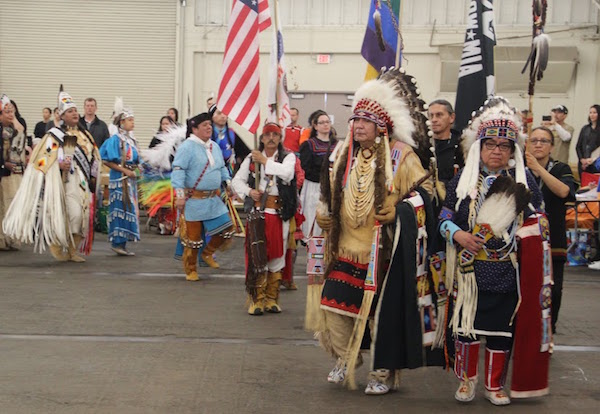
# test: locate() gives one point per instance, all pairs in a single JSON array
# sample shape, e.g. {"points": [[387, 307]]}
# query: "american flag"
{"points": [[239, 88]]}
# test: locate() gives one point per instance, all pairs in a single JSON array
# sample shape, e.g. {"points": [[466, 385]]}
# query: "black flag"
{"points": [[476, 74]]}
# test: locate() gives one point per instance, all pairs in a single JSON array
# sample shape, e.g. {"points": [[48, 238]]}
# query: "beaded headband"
{"points": [[374, 112], [498, 128]]}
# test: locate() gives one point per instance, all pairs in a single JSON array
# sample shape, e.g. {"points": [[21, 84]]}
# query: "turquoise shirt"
{"points": [[111, 151], [190, 160]]}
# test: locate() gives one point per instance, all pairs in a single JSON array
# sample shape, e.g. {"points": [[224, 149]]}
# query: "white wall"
{"points": [[204, 47]]}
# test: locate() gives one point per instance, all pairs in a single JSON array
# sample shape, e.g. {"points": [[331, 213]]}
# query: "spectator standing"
{"points": [[210, 101], [588, 142], [306, 131], [165, 123], [446, 140], [174, 114], [562, 132], [234, 150], [558, 186], [92, 123], [55, 122], [291, 141], [313, 153], [40, 127]]}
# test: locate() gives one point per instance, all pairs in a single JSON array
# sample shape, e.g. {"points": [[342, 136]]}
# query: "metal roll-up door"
{"points": [[96, 48]]}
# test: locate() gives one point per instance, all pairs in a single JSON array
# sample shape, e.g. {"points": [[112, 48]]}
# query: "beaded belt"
{"points": [[203, 193], [490, 255]]}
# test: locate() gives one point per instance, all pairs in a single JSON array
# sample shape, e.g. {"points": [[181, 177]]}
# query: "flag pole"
{"points": [[256, 165], [276, 28], [400, 45]]}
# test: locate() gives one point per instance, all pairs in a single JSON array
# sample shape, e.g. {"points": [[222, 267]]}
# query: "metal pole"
{"points": [[276, 28]]}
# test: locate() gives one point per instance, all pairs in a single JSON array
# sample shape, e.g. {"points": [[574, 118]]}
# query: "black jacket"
{"points": [[97, 128], [589, 140], [448, 153], [1, 154], [40, 129]]}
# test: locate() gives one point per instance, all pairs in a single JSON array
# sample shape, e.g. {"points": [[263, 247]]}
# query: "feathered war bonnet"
{"points": [[380, 101], [495, 119]]}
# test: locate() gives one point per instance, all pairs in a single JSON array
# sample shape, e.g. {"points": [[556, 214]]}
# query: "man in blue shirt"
{"points": [[198, 172]]}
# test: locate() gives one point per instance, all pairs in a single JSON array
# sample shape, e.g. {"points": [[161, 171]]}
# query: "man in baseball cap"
{"points": [[562, 131]]}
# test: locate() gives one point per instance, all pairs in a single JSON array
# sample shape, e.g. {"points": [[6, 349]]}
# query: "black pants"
{"points": [[558, 267]]}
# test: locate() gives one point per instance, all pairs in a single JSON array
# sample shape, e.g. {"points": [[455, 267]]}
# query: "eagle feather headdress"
{"points": [[496, 111], [393, 103]]}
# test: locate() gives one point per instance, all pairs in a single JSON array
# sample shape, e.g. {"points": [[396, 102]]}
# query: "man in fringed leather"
{"points": [[374, 169]]}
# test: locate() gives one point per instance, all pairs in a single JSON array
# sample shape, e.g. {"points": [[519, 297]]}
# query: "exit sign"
{"points": [[324, 59]]}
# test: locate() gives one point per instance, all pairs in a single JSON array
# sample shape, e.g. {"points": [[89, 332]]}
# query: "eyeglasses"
{"points": [[491, 145], [324, 122], [540, 141]]}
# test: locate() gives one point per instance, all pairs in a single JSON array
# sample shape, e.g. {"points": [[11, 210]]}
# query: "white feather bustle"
{"points": [[159, 156], [385, 94]]}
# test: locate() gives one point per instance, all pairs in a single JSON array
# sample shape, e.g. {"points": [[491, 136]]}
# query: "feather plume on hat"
{"points": [[120, 110]]}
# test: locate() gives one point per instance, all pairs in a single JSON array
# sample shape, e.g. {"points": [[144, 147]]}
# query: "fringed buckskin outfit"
{"points": [[198, 173], [53, 207], [491, 291], [277, 180], [13, 151], [366, 181]]}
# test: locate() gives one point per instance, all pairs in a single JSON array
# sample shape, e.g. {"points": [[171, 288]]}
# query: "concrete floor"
{"points": [[129, 335]]}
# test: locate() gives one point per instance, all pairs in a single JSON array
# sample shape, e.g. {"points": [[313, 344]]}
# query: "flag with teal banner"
{"points": [[379, 46]]}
